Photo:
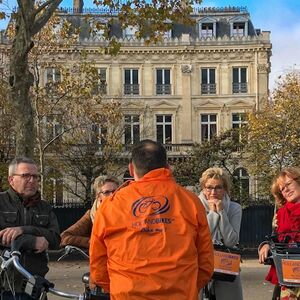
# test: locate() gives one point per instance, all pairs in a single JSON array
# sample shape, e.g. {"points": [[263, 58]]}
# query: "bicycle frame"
{"points": [[38, 287]]}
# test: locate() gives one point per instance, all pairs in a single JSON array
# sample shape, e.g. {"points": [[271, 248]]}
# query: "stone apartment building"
{"points": [[199, 81]]}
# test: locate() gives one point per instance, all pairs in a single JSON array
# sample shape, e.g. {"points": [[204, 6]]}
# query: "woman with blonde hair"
{"points": [[224, 219], [79, 233]]}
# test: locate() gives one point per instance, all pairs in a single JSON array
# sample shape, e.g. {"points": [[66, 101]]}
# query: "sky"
{"points": [[280, 17]]}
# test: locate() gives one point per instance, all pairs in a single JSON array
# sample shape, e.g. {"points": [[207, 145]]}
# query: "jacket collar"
{"points": [[157, 174]]}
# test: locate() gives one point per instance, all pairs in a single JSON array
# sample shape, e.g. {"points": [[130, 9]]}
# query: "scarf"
{"points": [[225, 202], [288, 218], [215, 233], [31, 201]]}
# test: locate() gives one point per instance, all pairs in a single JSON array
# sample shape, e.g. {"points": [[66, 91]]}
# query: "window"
{"points": [[131, 86], [97, 28], [98, 134], [56, 191], [207, 27], [241, 184], [163, 86], [164, 129], [239, 84], [207, 30], [208, 126], [208, 81], [52, 75], [167, 34], [101, 86], [238, 29], [238, 121], [53, 127], [129, 32], [132, 129]]}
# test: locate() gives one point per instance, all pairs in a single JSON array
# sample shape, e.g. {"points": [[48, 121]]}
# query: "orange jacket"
{"points": [[150, 240]]}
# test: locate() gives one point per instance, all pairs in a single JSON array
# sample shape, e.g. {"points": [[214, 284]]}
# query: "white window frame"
{"points": [[204, 33], [236, 32], [97, 34], [209, 123], [99, 131], [131, 124], [54, 73], [57, 128], [131, 83], [240, 122], [164, 123], [130, 31]]}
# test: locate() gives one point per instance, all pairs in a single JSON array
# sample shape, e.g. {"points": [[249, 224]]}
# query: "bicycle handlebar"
{"points": [[72, 249], [35, 285]]}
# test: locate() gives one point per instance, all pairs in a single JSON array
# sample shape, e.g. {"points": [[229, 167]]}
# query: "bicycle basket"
{"points": [[227, 263], [287, 263]]}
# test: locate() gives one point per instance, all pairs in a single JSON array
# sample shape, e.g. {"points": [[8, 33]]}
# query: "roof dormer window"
{"points": [[239, 27], [207, 27], [97, 28], [130, 31]]}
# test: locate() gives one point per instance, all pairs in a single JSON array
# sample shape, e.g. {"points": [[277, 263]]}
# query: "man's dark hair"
{"points": [[148, 155]]}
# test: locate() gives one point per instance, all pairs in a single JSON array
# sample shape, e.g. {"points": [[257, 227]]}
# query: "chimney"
{"points": [[77, 6]]}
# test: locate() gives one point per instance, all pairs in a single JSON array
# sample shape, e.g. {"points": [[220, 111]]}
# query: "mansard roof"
{"points": [[223, 17]]}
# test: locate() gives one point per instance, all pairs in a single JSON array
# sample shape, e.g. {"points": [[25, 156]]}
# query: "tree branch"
{"points": [[43, 19]]}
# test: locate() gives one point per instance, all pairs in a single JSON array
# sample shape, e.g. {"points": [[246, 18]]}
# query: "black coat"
{"points": [[37, 220]]}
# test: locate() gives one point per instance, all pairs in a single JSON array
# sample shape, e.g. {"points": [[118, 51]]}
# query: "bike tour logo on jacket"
{"points": [[147, 210]]}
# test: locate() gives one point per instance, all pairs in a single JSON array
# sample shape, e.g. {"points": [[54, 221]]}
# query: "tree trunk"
{"points": [[30, 19], [21, 80]]}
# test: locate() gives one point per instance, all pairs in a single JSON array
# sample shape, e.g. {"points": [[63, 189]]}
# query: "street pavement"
{"points": [[67, 277]]}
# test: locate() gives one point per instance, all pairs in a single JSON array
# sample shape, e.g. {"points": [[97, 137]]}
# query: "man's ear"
{"points": [[10, 180], [131, 169]]}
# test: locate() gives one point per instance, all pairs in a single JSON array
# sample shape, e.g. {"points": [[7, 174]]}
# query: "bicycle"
{"points": [[285, 255], [36, 286], [226, 268]]}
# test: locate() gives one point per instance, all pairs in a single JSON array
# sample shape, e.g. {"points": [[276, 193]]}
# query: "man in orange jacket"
{"points": [[150, 240]]}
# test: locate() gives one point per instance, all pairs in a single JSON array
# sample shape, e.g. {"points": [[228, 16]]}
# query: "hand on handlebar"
{"points": [[263, 253], [9, 234]]}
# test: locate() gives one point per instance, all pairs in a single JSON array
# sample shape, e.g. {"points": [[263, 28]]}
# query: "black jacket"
{"points": [[38, 220]]}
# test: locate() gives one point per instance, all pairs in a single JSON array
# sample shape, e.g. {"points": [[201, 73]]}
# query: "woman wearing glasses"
{"points": [[224, 219], [79, 233], [286, 191]]}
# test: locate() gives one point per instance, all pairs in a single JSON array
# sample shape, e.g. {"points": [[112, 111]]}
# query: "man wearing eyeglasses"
{"points": [[23, 212], [150, 239]]}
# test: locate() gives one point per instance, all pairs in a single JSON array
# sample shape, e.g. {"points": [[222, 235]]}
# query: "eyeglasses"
{"points": [[288, 184], [108, 192], [217, 188], [28, 176]]}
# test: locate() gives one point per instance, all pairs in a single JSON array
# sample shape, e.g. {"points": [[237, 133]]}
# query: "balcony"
{"points": [[100, 89], [163, 89], [239, 87], [131, 89], [208, 88]]}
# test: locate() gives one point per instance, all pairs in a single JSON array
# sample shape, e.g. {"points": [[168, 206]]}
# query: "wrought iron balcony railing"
{"points": [[208, 88], [163, 89], [131, 89], [239, 87]]}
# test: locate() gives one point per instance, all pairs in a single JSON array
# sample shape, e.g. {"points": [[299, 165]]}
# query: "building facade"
{"points": [[199, 81]]}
